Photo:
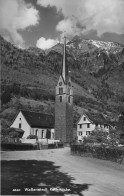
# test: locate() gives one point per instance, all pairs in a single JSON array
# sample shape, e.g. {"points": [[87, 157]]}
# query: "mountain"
{"points": [[29, 77], [36, 51]]}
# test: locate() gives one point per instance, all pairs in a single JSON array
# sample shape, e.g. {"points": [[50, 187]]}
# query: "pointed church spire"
{"points": [[65, 67]]}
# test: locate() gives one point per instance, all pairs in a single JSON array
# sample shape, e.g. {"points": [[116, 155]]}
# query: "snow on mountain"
{"points": [[108, 46], [80, 43]]}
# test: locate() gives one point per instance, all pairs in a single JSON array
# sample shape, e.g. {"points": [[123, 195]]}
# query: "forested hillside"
{"points": [[29, 77]]}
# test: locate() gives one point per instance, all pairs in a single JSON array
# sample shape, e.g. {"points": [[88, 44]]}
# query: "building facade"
{"points": [[33, 123], [90, 122], [64, 104]]}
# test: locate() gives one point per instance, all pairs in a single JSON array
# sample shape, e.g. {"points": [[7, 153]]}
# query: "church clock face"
{"points": [[60, 83]]}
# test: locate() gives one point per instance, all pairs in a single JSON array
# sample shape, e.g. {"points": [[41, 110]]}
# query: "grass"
{"points": [[39, 175]]}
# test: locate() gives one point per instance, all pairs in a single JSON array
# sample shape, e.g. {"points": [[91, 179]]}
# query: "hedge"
{"points": [[60, 145], [27, 146], [51, 146], [18, 146], [55, 145], [111, 153]]}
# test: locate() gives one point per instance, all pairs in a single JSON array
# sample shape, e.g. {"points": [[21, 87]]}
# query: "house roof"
{"points": [[38, 120], [96, 118], [17, 129], [112, 123]]}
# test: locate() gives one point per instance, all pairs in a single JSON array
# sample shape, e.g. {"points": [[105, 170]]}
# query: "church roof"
{"points": [[38, 120]]}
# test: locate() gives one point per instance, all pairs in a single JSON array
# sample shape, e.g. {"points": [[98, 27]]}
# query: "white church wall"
{"points": [[20, 120], [31, 141]]}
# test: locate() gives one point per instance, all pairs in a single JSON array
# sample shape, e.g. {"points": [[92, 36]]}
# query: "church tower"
{"points": [[64, 104]]}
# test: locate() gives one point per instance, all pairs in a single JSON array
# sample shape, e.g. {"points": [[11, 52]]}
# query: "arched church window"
{"points": [[20, 125], [60, 98], [69, 99], [36, 132], [60, 91], [42, 134]]}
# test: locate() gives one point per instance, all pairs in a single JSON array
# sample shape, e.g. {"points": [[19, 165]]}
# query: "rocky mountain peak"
{"points": [[80, 43]]}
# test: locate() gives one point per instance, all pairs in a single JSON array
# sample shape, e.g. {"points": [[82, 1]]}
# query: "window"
{"points": [[80, 133], [19, 125], [88, 125], [20, 119], [42, 134], [36, 132], [84, 118], [69, 99], [53, 136], [87, 132], [60, 98], [80, 126], [60, 91]]}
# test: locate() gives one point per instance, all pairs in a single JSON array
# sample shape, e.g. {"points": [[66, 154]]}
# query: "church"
{"points": [[64, 104], [61, 128]]}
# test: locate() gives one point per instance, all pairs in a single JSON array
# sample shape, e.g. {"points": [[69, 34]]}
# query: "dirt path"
{"points": [[104, 178]]}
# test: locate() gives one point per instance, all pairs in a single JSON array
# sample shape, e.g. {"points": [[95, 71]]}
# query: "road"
{"points": [[104, 178]]}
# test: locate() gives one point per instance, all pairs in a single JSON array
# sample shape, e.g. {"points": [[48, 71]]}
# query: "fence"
{"points": [[42, 141]]}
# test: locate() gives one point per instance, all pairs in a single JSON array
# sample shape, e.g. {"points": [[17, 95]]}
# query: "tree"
{"points": [[121, 122], [97, 137], [10, 135], [114, 137], [13, 133], [5, 132]]}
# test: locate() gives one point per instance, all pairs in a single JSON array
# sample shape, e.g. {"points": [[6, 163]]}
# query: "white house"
{"points": [[90, 121], [34, 123]]}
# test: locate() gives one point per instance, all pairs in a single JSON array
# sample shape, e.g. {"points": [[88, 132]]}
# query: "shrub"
{"points": [[32, 137], [99, 151], [18, 146], [55, 145], [13, 133], [97, 136], [121, 141], [10, 135], [50, 146], [5, 132], [60, 145]]}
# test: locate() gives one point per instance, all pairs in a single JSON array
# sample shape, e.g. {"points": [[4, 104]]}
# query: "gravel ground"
{"points": [[103, 178]]}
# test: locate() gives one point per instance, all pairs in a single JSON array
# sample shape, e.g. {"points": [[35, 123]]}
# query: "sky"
{"points": [[44, 23]]}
